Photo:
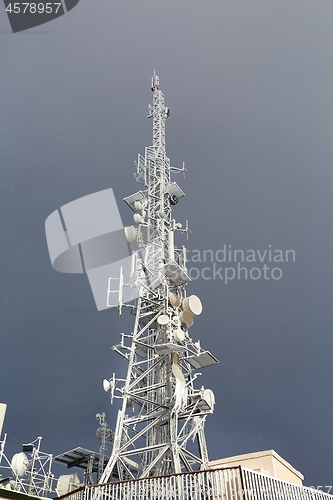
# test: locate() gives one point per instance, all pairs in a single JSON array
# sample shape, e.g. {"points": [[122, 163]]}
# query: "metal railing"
{"points": [[235, 483], [259, 486]]}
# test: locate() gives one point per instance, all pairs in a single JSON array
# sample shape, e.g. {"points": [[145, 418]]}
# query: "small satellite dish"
{"points": [[163, 319], [186, 318], [67, 483], [131, 233], [138, 218], [138, 205], [106, 385], [173, 199], [19, 464], [174, 299], [193, 305], [179, 335]]}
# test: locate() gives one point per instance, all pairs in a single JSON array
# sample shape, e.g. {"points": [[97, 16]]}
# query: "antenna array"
{"points": [[160, 427]]}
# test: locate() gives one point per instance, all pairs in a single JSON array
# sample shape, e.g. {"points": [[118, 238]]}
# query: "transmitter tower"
{"points": [[160, 427]]}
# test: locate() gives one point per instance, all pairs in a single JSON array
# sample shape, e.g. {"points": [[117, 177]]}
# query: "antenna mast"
{"points": [[160, 427]]}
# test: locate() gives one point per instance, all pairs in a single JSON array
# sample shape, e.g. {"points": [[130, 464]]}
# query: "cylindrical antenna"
{"points": [[3, 408]]}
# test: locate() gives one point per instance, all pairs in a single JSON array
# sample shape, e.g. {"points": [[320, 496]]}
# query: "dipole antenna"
{"points": [[160, 426]]}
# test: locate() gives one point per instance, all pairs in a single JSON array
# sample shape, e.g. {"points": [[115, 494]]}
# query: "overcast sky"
{"points": [[249, 84]]}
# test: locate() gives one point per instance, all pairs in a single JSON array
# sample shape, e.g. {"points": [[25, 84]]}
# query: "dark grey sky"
{"points": [[249, 84]]}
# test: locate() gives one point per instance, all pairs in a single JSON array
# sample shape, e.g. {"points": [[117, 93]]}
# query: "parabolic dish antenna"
{"points": [[193, 305], [19, 464], [131, 234], [179, 335], [163, 319], [106, 385], [67, 483], [174, 299], [186, 318]]}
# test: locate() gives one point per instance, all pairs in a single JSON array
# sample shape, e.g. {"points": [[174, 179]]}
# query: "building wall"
{"points": [[267, 462]]}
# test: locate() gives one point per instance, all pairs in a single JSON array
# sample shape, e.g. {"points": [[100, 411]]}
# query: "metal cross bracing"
{"points": [[160, 427], [28, 471]]}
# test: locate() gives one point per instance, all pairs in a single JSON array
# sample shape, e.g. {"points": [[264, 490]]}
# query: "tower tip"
{"points": [[155, 82]]}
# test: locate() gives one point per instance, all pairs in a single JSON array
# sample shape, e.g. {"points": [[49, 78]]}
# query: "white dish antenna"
{"points": [[193, 305], [131, 234], [163, 320], [179, 335], [138, 205], [19, 464], [186, 318], [174, 299], [138, 219], [67, 483], [107, 385]]}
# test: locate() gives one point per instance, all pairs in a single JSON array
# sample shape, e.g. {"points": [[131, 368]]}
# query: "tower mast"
{"points": [[160, 427]]}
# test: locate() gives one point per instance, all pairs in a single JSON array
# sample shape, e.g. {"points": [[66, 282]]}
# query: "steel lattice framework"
{"points": [[160, 427]]}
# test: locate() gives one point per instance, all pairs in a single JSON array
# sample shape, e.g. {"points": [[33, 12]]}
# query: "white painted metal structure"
{"points": [[162, 414], [28, 471]]}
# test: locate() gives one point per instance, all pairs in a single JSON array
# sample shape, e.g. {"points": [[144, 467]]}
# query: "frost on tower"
{"points": [[160, 427]]}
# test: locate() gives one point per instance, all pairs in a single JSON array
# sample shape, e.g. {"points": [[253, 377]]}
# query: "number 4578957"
{"points": [[33, 8]]}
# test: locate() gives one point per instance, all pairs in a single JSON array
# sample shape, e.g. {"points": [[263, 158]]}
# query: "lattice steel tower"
{"points": [[160, 427]]}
